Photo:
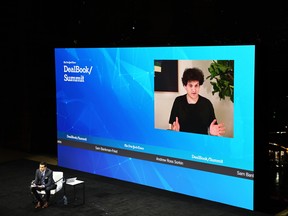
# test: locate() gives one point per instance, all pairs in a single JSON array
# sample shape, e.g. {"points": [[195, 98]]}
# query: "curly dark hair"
{"points": [[194, 74]]}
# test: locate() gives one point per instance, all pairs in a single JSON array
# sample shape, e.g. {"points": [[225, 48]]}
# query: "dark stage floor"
{"points": [[103, 196]]}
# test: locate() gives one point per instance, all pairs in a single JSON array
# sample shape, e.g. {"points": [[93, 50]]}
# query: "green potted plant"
{"points": [[222, 78]]}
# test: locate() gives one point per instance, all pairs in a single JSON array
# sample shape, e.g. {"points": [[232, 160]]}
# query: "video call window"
{"points": [[218, 88]]}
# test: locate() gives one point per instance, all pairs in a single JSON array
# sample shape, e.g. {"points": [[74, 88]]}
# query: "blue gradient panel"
{"points": [[219, 188], [105, 96]]}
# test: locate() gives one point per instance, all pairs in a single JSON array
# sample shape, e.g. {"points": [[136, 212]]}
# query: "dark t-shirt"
{"points": [[195, 118]]}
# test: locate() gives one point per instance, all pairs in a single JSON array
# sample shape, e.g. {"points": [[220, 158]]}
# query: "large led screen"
{"points": [[141, 115]]}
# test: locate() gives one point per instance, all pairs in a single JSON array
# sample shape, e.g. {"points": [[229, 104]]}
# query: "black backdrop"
{"points": [[33, 29]]}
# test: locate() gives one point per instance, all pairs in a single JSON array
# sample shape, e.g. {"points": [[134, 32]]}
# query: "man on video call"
{"points": [[192, 112]]}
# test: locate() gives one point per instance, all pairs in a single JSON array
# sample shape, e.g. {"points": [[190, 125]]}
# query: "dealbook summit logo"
{"points": [[76, 73]]}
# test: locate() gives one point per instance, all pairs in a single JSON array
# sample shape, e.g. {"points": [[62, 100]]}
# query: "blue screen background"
{"points": [[114, 106]]}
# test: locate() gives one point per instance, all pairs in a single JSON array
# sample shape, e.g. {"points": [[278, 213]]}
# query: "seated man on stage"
{"points": [[43, 181]]}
